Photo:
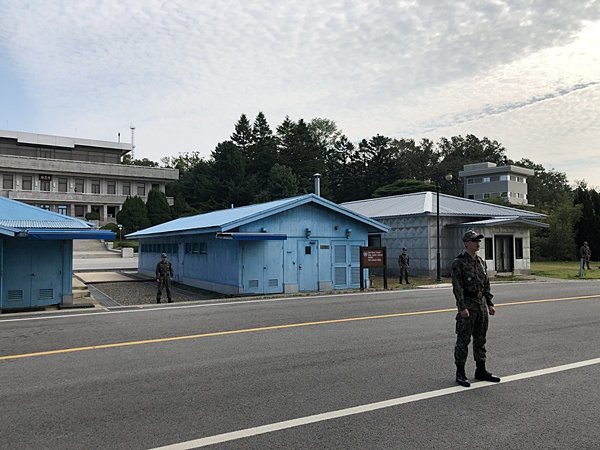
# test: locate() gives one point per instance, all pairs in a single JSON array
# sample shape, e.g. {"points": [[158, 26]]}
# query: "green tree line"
{"points": [[257, 164]]}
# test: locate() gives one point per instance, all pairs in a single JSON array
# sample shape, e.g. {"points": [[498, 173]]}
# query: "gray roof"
{"points": [[425, 203], [230, 219]]}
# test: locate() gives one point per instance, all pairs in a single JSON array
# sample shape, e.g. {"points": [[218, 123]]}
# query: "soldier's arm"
{"points": [[457, 285]]}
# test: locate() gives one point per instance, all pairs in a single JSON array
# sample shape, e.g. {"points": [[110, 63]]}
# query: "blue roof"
{"points": [[21, 219], [229, 219]]}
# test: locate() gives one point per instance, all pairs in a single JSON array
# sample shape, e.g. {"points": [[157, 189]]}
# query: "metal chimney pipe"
{"points": [[317, 184]]}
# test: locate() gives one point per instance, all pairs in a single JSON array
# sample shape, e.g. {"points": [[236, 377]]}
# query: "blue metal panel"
{"points": [[262, 267]]}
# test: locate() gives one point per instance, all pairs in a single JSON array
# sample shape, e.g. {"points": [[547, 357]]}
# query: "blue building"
{"points": [[292, 245], [36, 255]]}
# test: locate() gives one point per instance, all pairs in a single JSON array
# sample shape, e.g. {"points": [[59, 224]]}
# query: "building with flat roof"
{"points": [[487, 180], [73, 176]]}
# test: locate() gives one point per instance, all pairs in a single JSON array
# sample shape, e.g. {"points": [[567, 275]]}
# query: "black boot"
{"points": [[483, 375], [461, 376]]}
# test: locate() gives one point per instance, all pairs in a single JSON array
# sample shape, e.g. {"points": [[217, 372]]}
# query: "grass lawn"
{"points": [[568, 270]]}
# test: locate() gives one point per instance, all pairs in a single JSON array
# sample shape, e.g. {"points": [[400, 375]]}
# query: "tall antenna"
{"points": [[132, 142]]}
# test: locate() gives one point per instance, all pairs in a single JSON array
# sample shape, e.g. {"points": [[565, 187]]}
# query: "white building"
{"points": [[73, 176], [487, 180]]}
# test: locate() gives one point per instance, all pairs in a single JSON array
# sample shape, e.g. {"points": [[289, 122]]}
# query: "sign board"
{"points": [[372, 258]]}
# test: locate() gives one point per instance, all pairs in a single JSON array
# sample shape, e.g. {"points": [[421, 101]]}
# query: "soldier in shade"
{"points": [[471, 287], [164, 273], [404, 263], [586, 254]]}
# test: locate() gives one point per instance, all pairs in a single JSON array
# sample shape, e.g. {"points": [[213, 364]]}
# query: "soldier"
{"points": [[164, 273], [586, 254], [471, 287], [404, 263]]}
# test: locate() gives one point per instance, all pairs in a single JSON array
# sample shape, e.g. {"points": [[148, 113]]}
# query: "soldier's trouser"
{"points": [[475, 325], [403, 273], [164, 282]]}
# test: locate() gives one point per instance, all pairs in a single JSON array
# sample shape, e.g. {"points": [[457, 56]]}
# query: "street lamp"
{"points": [[120, 228], [448, 177]]}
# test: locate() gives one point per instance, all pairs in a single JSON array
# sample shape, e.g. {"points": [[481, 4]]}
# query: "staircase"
{"points": [[80, 291], [90, 248]]}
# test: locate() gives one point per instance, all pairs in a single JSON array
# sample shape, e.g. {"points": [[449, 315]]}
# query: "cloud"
{"points": [[183, 71]]}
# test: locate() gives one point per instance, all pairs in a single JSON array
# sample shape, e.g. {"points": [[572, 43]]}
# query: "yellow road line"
{"points": [[273, 327]]}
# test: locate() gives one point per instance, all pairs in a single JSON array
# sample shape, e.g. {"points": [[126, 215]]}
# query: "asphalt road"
{"points": [[359, 371]]}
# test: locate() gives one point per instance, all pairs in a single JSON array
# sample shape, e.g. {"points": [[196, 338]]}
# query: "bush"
{"points": [[111, 227], [92, 215]]}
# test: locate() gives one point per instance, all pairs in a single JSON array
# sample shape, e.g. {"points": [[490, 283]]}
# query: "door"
{"points": [[32, 274], [262, 267], [504, 253], [308, 265], [346, 265]]}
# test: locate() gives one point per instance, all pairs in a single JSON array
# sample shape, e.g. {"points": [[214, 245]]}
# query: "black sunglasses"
{"points": [[474, 240]]}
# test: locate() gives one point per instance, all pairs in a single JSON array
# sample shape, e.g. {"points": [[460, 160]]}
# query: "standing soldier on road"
{"points": [[586, 254], [404, 263], [471, 287], [164, 273]]}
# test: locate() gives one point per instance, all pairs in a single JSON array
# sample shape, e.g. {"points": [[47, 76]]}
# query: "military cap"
{"points": [[471, 235], [403, 248], [164, 255]]}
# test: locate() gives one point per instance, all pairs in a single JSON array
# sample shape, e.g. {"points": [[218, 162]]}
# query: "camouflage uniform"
{"points": [[164, 273], [404, 263], [471, 287], [586, 254]]}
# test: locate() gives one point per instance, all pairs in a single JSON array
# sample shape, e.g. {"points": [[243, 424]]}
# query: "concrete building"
{"points": [[487, 180], [304, 243], [412, 219], [73, 176]]}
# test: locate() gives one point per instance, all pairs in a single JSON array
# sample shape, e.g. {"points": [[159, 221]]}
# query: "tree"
{"points": [[158, 208], [557, 242], [127, 160], [242, 137], [263, 151], [184, 162], [133, 215], [281, 183], [589, 223], [544, 188], [400, 187]]}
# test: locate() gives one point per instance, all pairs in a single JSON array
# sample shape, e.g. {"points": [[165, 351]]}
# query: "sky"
{"points": [[525, 73]]}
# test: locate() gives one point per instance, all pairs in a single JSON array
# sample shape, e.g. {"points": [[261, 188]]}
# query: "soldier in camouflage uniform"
{"points": [[404, 263], [586, 254], [471, 287], [164, 273]]}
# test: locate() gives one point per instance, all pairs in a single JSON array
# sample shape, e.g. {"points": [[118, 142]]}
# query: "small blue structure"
{"points": [[36, 255], [296, 244]]}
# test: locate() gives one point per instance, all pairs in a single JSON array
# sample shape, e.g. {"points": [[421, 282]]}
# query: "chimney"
{"points": [[317, 184]]}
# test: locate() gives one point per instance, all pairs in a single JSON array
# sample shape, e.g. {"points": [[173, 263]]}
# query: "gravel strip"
{"points": [[130, 293]]}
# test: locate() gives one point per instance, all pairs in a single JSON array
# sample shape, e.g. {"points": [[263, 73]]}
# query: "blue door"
{"points": [[32, 274], [262, 267], [346, 264], [308, 265]]}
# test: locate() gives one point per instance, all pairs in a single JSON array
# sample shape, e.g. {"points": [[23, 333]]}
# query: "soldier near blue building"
{"points": [[471, 287], [164, 273], [404, 264]]}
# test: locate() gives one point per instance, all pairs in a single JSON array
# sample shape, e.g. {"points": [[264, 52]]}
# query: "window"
{"points": [[486, 195], [141, 189], [79, 210], [374, 240], [111, 187], [7, 182], [503, 177], [62, 185], [470, 181], [44, 153], [202, 248], [46, 207], [477, 180], [489, 249], [307, 250], [155, 186], [79, 185], [486, 179], [27, 181], [45, 185], [518, 248], [495, 178], [471, 197], [126, 188], [95, 186], [62, 209]]}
